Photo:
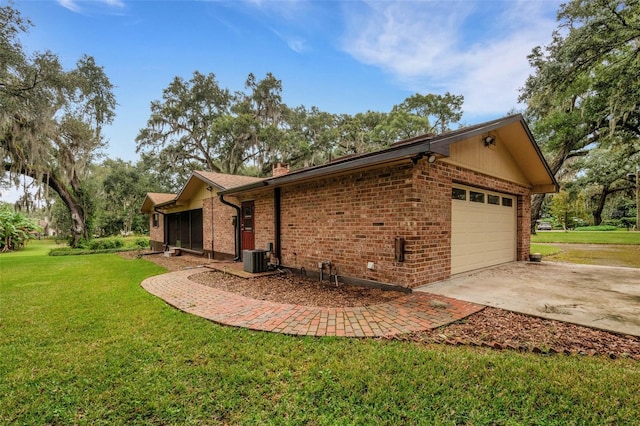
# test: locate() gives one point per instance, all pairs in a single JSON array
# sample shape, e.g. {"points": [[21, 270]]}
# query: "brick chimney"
{"points": [[280, 170]]}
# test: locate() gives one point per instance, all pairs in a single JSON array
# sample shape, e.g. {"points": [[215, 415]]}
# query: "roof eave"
{"points": [[421, 147]]}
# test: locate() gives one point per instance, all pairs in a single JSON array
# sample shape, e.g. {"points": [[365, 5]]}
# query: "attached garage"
{"points": [[483, 228]]}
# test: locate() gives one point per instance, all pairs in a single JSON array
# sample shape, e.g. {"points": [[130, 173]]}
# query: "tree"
{"points": [[605, 171], [361, 133], [308, 138], [123, 189], [585, 83], [567, 208], [434, 113], [51, 120], [181, 127], [197, 125], [255, 131]]}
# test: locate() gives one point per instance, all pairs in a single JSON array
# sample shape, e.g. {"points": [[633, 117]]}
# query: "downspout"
{"points": [[238, 238], [277, 223], [212, 230]]}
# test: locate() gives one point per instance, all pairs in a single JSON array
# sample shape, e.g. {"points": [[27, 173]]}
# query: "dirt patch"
{"points": [[492, 327]]}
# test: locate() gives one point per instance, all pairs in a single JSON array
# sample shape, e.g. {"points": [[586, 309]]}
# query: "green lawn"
{"points": [[587, 237], [544, 249], [82, 343]]}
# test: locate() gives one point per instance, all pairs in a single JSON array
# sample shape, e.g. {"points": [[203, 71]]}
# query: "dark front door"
{"points": [[247, 226]]}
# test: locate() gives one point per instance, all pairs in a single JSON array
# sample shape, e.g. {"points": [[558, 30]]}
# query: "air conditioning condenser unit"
{"points": [[255, 261]]}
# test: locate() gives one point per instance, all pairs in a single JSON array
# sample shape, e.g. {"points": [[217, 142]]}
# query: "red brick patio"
{"points": [[414, 312]]}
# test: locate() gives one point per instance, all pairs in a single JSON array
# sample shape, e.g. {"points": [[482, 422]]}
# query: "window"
{"points": [[507, 202], [458, 194], [248, 218], [156, 220], [493, 199], [476, 197]]}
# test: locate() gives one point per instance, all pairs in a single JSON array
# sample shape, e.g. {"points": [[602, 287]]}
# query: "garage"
{"points": [[483, 228]]}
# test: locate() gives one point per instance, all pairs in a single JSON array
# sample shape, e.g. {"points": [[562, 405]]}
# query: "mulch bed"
{"points": [[296, 290], [493, 328], [499, 329]]}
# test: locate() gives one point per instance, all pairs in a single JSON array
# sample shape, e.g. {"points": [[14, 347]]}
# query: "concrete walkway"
{"points": [[413, 312]]}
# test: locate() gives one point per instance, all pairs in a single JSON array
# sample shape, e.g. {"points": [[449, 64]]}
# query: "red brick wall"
{"points": [[349, 220], [354, 219], [264, 220], [156, 233], [429, 238], [223, 229]]}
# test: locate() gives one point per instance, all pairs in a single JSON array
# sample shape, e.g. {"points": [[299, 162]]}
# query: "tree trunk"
{"points": [[536, 210], [70, 199], [597, 213], [538, 199]]}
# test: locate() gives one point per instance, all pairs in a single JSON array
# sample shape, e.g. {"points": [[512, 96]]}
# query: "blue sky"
{"points": [[341, 56]]}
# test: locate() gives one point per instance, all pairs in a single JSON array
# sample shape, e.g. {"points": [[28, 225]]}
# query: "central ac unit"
{"points": [[255, 261]]}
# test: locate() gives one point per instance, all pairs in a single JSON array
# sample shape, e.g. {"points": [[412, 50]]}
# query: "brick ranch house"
{"points": [[412, 214]]}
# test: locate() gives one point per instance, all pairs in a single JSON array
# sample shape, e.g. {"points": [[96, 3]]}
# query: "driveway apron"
{"points": [[602, 297]]}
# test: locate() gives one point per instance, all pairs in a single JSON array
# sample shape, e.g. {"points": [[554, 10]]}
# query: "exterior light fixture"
{"points": [[489, 140], [431, 158]]}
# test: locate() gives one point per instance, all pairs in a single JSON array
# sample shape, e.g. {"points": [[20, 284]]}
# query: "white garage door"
{"points": [[483, 228]]}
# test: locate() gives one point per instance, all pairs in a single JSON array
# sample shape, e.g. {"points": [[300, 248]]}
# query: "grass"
{"points": [[587, 237], [544, 249], [620, 255], [82, 343], [611, 248]]}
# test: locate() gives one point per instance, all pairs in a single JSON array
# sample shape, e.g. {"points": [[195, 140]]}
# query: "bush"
{"points": [[106, 243], [597, 228], [612, 222], [141, 242], [102, 245]]}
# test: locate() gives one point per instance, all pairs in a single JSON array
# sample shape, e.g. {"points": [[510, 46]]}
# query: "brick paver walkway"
{"points": [[413, 312]]}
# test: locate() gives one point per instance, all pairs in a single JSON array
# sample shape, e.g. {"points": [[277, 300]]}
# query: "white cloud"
{"points": [[70, 4], [296, 43], [74, 5], [473, 48]]}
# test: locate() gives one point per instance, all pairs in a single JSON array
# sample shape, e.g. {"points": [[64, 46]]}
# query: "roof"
{"points": [[221, 181], [527, 155], [153, 199], [225, 181]]}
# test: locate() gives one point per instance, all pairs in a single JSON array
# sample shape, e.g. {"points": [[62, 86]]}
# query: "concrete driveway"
{"points": [[596, 296]]}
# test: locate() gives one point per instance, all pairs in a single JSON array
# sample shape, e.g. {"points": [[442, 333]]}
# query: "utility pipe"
{"points": [[277, 223]]}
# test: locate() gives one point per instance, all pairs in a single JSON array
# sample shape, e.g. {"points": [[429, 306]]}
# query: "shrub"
{"points": [[106, 243], [141, 242], [597, 228]]}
